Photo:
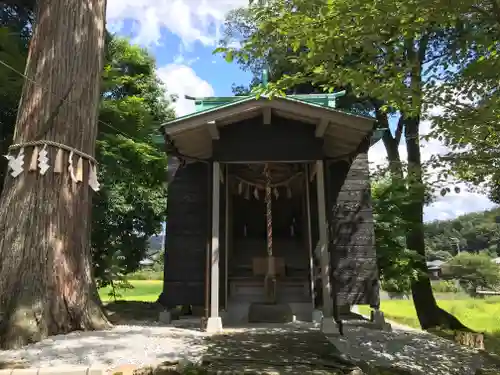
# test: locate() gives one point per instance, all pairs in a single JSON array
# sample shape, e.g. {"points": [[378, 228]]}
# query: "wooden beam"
{"points": [[213, 130], [309, 232], [321, 127], [226, 236], [323, 241], [214, 323], [266, 114], [312, 172]]}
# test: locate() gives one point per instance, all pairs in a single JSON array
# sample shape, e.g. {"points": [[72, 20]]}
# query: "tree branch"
{"points": [[399, 129]]}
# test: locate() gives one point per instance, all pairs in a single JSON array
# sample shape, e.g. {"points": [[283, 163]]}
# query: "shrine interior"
{"points": [[247, 232]]}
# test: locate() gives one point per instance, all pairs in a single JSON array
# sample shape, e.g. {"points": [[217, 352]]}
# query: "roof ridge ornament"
{"points": [[265, 77]]}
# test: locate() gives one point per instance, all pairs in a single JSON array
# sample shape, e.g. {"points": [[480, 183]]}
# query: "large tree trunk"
{"points": [[430, 315], [46, 286]]}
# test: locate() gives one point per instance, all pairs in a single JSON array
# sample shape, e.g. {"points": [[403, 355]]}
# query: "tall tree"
{"points": [[46, 286], [131, 204], [380, 51]]}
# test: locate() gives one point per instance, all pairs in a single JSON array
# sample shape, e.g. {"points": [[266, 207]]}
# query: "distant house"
{"points": [[155, 247], [496, 260], [147, 262], [435, 269]]}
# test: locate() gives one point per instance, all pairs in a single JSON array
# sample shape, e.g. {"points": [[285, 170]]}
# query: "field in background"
{"points": [[482, 315], [144, 291]]}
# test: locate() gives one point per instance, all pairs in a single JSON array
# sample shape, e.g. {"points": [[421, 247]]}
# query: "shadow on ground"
{"points": [[491, 343], [286, 350], [132, 312], [289, 349]]}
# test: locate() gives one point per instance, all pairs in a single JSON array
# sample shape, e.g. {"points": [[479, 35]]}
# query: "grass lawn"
{"points": [[144, 291], [482, 315]]}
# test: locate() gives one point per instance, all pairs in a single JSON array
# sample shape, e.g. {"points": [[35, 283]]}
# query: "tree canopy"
{"points": [[131, 205]]}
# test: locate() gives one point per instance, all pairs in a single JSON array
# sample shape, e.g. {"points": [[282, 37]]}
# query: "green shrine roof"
{"points": [[212, 104], [325, 100], [194, 132]]}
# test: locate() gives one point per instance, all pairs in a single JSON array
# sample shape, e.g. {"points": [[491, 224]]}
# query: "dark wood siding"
{"points": [[351, 233], [282, 140], [187, 233]]}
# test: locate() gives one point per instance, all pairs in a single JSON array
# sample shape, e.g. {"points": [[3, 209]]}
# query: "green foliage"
{"points": [[142, 290], [331, 49], [15, 17], [437, 255], [474, 272], [445, 286], [395, 261], [131, 204], [146, 274], [472, 232], [469, 98], [118, 284], [481, 315]]}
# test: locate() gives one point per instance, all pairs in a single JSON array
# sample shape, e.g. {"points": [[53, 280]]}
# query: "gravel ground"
{"points": [[411, 349], [138, 345], [147, 345]]}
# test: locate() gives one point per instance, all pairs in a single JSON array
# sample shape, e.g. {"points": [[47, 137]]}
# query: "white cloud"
{"points": [[452, 204], [191, 20], [181, 80]]}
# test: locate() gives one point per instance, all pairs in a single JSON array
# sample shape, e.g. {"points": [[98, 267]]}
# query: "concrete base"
{"points": [[355, 309], [165, 317], [214, 324], [317, 316], [378, 320], [328, 326]]}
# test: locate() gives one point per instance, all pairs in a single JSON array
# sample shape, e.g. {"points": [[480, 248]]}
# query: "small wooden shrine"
{"points": [[269, 203]]}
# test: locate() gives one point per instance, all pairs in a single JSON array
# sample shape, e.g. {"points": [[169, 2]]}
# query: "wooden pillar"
{"points": [[323, 241], [308, 232], [226, 234], [214, 323]]}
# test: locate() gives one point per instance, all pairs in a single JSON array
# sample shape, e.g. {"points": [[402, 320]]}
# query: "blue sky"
{"points": [[182, 34]]}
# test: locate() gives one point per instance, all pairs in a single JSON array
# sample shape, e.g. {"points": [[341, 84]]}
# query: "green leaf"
{"points": [[219, 50], [229, 56]]}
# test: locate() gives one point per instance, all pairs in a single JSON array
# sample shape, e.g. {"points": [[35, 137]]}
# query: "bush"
{"points": [[445, 287], [146, 274], [473, 272]]}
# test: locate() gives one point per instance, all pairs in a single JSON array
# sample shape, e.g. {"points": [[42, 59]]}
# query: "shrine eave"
{"points": [[192, 135]]}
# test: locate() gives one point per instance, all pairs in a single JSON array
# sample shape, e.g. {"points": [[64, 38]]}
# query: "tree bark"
{"points": [[430, 315], [46, 286]]}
